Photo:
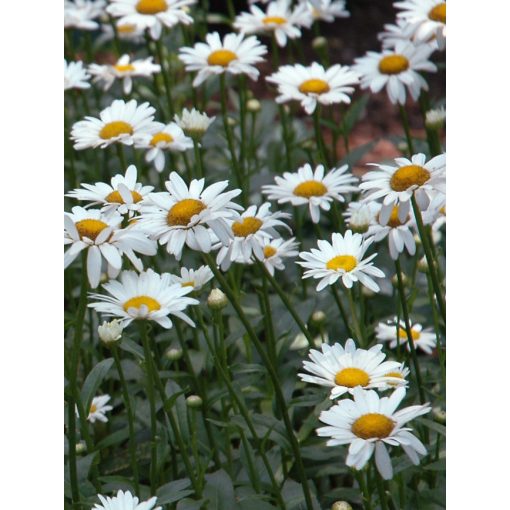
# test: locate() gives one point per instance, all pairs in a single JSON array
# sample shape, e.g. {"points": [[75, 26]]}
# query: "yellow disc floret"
{"points": [[115, 128], [93, 408], [394, 220], [407, 176], [373, 425], [352, 377], [438, 13], [393, 64], [415, 335], [115, 197], [309, 189], [124, 68], [126, 28], [269, 251], [221, 58], [90, 228], [161, 137], [138, 301], [182, 212], [248, 226], [274, 20], [151, 6], [345, 262], [314, 86]]}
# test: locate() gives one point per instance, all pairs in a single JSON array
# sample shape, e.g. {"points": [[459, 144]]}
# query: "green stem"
{"points": [[341, 308], [165, 71], [356, 323], [198, 159], [405, 124], [382, 493], [365, 493], [318, 137], [121, 156]]}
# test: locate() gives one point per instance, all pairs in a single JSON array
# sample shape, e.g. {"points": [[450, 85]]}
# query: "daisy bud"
{"points": [[318, 318], [417, 239], [103, 278], [231, 121], [405, 280], [308, 145], [173, 354], [402, 147], [110, 332], [217, 300], [367, 292], [319, 43], [341, 505], [439, 414], [194, 402], [286, 109], [434, 119], [253, 105], [80, 447], [423, 266]]}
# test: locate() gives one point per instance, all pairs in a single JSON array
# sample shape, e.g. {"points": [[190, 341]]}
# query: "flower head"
{"points": [[110, 332], [397, 335], [80, 14], [99, 408], [75, 76], [194, 278], [125, 501], [193, 123]]}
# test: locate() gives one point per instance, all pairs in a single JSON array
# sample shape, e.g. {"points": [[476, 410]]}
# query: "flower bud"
{"points": [[173, 353], [318, 318], [423, 266], [435, 119], [308, 145], [231, 121], [110, 332], [217, 300], [194, 402], [253, 105], [341, 505], [402, 147], [439, 414], [405, 280], [367, 292], [80, 447], [319, 43]]}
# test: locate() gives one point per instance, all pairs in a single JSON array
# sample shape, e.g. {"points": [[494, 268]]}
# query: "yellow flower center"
{"points": [[438, 13], [269, 251], [182, 212], [443, 210], [90, 228], [221, 58], [393, 64], [161, 137], [93, 408], [115, 197], [394, 220], [126, 28], [352, 377], [373, 425], [188, 284], [115, 128], [309, 189], [345, 262], [138, 301], [415, 335], [407, 176], [124, 68], [151, 6], [248, 226], [274, 20], [397, 375], [314, 86]]}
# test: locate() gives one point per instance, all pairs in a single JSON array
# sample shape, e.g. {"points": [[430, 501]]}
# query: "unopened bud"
{"points": [[439, 414], [217, 300], [341, 505], [80, 447], [173, 354], [308, 145], [394, 280], [253, 105], [367, 292], [434, 119], [319, 43], [402, 147], [423, 266], [110, 332], [231, 121], [318, 318], [194, 402]]}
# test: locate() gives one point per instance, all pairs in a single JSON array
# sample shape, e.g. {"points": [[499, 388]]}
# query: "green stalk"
{"points": [[382, 494], [318, 137], [341, 308], [121, 155], [198, 159], [405, 124], [360, 333], [365, 493], [242, 122], [165, 71]]}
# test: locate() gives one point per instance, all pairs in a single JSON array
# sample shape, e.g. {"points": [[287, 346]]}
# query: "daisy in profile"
{"points": [[102, 237], [427, 19], [120, 122], [312, 188], [75, 76], [279, 19], [361, 215], [125, 501], [327, 10], [398, 231], [393, 34], [371, 423], [144, 296], [81, 14], [99, 408], [235, 55], [248, 233], [423, 339], [125, 32], [396, 69], [397, 184], [151, 14], [123, 195], [194, 278], [341, 259], [314, 84], [168, 137], [275, 250], [343, 369], [193, 123], [400, 373], [125, 69], [186, 215]]}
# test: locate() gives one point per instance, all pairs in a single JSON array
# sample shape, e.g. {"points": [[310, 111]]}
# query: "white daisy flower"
{"points": [[369, 423], [124, 195], [275, 250], [120, 122], [125, 501], [327, 10], [425, 340], [236, 55], [151, 14], [249, 231], [397, 184], [195, 278], [401, 373], [124, 70], [110, 332], [193, 123], [279, 18], [102, 237], [435, 118], [360, 215], [125, 32], [168, 137], [427, 17], [187, 215], [435, 215], [312, 187], [396, 69], [144, 296], [75, 76], [398, 231], [314, 84], [343, 258], [343, 369], [401, 32], [98, 409], [81, 13]]}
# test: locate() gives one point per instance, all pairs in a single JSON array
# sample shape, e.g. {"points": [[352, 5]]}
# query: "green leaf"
{"points": [[354, 112], [94, 380], [173, 491], [219, 491], [432, 425], [132, 347]]}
